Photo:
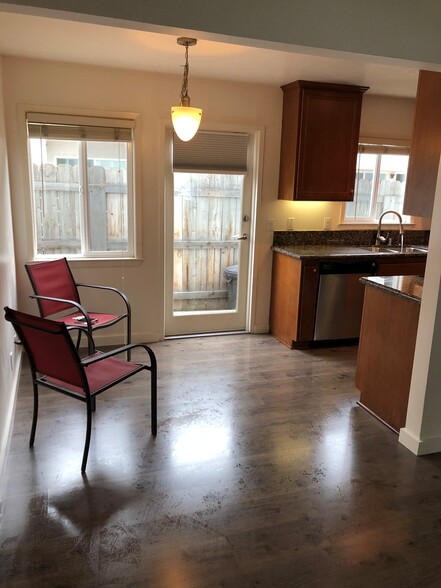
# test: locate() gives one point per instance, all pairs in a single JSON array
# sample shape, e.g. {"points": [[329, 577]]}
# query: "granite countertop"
{"points": [[410, 287], [319, 252]]}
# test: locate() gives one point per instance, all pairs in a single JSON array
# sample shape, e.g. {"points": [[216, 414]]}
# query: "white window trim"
{"points": [[134, 218], [372, 223]]}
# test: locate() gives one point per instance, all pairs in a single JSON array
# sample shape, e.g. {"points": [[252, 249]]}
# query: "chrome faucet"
{"points": [[380, 240]]}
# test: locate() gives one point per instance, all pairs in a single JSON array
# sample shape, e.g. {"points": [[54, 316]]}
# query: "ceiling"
{"points": [[78, 42]]}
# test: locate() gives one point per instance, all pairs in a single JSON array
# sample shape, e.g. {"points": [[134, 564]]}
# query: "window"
{"points": [[82, 185], [380, 183]]}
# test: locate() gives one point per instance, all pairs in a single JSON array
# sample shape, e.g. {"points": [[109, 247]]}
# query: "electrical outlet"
{"points": [[290, 224], [327, 223], [270, 224]]}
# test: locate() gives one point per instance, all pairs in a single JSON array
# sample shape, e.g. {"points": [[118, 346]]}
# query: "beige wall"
{"points": [[8, 370]]}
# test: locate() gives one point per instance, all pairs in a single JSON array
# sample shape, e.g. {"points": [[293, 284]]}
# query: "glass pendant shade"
{"points": [[186, 121]]}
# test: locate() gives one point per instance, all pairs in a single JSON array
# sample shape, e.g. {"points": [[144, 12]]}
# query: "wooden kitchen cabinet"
{"points": [[293, 300], [320, 133], [425, 150], [410, 266]]}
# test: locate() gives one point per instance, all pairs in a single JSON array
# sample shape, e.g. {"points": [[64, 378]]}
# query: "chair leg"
{"points": [[129, 335], [88, 433], [77, 344], [93, 403], [154, 395], [34, 417], [90, 344]]}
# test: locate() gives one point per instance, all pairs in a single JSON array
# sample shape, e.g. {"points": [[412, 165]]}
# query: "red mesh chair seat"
{"points": [[54, 363], [100, 376], [97, 319], [56, 292]]}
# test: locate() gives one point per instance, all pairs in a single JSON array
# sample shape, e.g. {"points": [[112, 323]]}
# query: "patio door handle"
{"points": [[243, 237]]}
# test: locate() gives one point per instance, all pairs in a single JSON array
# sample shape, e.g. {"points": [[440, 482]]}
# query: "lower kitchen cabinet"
{"points": [[385, 355], [293, 300], [294, 289]]}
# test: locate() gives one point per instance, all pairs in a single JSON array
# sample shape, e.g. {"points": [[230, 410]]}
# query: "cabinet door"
{"points": [[329, 130], [285, 297], [293, 299], [426, 147], [308, 301]]}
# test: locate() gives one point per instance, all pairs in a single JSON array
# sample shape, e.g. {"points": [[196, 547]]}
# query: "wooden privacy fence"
{"points": [[207, 220], [58, 196]]}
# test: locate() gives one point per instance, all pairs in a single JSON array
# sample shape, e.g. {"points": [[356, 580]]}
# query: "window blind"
{"points": [[210, 151], [78, 128]]}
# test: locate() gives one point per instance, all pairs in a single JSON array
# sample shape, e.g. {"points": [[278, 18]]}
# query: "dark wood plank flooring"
{"points": [[265, 473]]}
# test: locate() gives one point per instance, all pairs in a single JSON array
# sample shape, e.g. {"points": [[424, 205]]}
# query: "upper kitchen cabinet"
{"points": [[320, 132], [426, 146]]}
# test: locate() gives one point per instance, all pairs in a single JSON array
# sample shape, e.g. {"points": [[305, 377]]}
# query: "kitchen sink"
{"points": [[406, 250], [377, 249]]}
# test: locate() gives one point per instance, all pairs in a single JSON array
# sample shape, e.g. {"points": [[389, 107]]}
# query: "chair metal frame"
{"points": [[64, 304], [50, 328]]}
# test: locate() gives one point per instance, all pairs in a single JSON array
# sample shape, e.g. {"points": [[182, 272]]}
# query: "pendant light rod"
{"points": [[185, 42]]}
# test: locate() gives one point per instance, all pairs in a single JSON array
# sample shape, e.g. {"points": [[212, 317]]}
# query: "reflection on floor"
{"points": [[264, 473]]}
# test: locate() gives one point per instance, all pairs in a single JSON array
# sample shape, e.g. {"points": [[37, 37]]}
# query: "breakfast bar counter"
{"points": [[387, 345]]}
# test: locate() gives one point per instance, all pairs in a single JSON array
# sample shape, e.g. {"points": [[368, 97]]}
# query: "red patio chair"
{"points": [[56, 291], [55, 363]]}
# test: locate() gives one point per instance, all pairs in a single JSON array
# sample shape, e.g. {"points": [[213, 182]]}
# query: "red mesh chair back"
{"points": [[53, 278], [51, 356]]}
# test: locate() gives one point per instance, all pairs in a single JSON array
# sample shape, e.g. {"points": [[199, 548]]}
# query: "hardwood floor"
{"points": [[264, 473]]}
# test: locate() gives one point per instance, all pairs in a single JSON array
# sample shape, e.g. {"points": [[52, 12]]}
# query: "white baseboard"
{"points": [[260, 329], [419, 446], [6, 441]]}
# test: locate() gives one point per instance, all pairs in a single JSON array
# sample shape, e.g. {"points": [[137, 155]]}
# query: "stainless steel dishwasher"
{"points": [[340, 299]]}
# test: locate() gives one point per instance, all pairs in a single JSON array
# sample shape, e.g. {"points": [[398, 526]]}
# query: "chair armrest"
{"points": [[121, 294], [81, 309], [89, 360]]}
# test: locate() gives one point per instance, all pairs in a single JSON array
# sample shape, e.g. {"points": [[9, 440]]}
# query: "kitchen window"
{"points": [[82, 185], [380, 183]]}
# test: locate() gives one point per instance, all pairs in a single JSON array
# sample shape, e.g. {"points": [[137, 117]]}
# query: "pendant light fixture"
{"points": [[186, 120]]}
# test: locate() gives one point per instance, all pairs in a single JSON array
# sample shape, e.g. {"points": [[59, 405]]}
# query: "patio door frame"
{"points": [[212, 322]]}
